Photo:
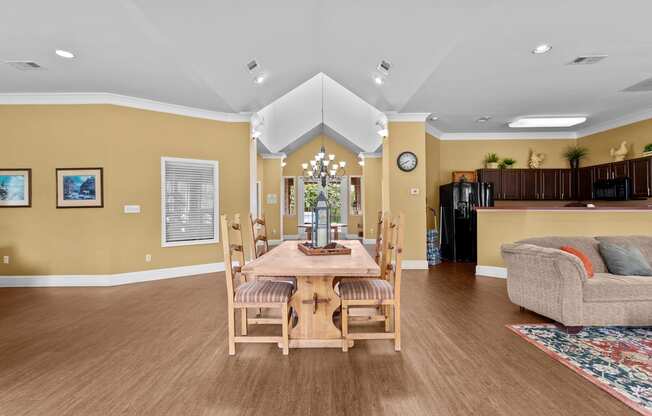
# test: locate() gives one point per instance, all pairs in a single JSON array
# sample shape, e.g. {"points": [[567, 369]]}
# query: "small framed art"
{"points": [[80, 188], [15, 188]]}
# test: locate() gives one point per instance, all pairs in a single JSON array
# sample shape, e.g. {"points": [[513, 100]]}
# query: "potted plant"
{"points": [[574, 154], [647, 150], [507, 163], [491, 161]]}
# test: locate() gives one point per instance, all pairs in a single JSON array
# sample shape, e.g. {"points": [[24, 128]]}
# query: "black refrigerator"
{"points": [[458, 219]]}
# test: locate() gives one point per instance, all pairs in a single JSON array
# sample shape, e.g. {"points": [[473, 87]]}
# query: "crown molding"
{"points": [[553, 135], [395, 116], [273, 155], [87, 98], [371, 155], [615, 123], [433, 131]]}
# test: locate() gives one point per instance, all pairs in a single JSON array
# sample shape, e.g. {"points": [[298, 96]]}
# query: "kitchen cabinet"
{"points": [[567, 184], [548, 184], [491, 176], [530, 184], [510, 183], [640, 172], [585, 183], [620, 169]]}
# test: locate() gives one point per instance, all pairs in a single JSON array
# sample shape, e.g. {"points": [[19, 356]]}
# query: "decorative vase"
{"points": [[574, 163], [492, 165]]}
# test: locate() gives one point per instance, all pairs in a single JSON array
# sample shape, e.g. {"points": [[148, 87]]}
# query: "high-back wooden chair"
{"points": [[379, 236], [258, 234], [384, 291], [252, 294]]}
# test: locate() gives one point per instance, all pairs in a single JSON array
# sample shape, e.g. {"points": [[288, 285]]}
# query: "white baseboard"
{"points": [[491, 271], [109, 279], [414, 264], [369, 241], [291, 237], [352, 237], [274, 242]]}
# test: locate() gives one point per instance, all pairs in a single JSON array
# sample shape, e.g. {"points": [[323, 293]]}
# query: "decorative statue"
{"points": [[535, 160], [619, 154]]}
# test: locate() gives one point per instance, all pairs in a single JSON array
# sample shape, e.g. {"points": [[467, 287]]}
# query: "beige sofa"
{"points": [[553, 283]]}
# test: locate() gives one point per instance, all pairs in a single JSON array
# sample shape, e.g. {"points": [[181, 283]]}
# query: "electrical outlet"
{"points": [[148, 258], [5, 259], [414, 191]]}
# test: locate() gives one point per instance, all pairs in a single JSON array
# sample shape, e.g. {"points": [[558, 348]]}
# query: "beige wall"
{"points": [[272, 186], [637, 136], [408, 136], [469, 154], [371, 203], [306, 153], [433, 175], [499, 227], [128, 144]]}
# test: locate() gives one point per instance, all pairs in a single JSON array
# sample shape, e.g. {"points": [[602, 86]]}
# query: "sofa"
{"points": [[553, 283]]}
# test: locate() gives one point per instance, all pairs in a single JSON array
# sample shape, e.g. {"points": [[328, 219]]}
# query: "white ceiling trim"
{"points": [[508, 136], [394, 116], [615, 123], [371, 155], [89, 98], [433, 131], [273, 155]]}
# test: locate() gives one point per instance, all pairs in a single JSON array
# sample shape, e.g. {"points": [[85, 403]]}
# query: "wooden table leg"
{"points": [[314, 302]]}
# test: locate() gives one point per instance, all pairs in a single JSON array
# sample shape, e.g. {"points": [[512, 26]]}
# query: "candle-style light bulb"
{"points": [[304, 166], [313, 163], [335, 166], [342, 163], [333, 173], [327, 162], [331, 157]]}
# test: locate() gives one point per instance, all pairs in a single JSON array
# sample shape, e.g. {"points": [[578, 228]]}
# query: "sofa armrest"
{"points": [[545, 280]]}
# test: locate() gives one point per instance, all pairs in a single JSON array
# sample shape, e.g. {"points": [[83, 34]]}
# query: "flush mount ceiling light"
{"points": [[543, 48], [254, 68], [378, 79], [433, 118], [546, 122], [64, 54], [483, 119], [259, 79]]}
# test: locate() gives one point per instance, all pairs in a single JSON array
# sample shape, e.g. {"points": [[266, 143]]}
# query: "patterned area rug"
{"points": [[616, 359]]}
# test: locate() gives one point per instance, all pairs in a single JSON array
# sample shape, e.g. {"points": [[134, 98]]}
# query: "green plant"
{"points": [[508, 161], [491, 158], [575, 152], [648, 147]]}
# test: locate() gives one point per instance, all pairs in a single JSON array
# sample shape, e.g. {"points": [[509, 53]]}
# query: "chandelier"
{"points": [[323, 168]]}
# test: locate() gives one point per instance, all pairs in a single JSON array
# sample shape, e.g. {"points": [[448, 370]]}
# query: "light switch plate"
{"points": [[414, 191], [132, 209], [272, 199]]}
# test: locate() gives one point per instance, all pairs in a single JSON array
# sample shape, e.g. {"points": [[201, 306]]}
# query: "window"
{"points": [[355, 195], [189, 201], [289, 199], [334, 195]]}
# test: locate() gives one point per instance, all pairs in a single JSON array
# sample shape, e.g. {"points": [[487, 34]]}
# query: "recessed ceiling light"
{"points": [[259, 79], [433, 118], [543, 48], [378, 79], [64, 54], [483, 119], [546, 122]]}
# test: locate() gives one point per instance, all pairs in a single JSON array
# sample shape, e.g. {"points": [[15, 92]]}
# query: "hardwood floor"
{"points": [[159, 348]]}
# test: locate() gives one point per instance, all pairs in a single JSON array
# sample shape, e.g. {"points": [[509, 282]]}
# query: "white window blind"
{"points": [[189, 201]]}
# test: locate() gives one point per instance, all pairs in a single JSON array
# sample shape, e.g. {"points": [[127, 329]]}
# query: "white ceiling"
{"points": [[458, 59]]}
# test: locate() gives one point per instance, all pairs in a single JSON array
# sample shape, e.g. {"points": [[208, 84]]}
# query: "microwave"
{"points": [[616, 189]]}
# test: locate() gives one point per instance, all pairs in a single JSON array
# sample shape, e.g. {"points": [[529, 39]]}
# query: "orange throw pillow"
{"points": [[588, 266]]}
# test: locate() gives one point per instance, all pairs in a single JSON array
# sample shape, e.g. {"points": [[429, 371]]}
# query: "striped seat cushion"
{"points": [[366, 289], [263, 291], [286, 279]]}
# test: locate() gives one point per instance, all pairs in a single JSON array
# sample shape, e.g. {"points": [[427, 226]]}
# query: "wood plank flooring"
{"points": [[159, 348]]}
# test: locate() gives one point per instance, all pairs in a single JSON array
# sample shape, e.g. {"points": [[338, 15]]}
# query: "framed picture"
{"points": [[15, 188], [465, 175], [80, 188]]}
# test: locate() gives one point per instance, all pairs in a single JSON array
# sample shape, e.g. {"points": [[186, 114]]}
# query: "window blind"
{"points": [[189, 201]]}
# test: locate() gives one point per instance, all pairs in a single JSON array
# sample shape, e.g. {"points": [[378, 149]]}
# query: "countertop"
{"points": [[622, 208]]}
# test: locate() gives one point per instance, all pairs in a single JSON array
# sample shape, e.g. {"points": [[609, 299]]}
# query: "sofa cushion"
{"points": [[643, 242], [606, 287], [588, 266], [625, 260], [587, 245]]}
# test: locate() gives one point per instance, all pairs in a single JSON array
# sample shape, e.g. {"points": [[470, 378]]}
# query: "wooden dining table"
{"points": [[315, 300]]}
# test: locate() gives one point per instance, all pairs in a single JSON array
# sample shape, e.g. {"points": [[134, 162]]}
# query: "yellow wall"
{"points": [[272, 185], [128, 144], [371, 202], [306, 153], [408, 136], [433, 174], [497, 227], [637, 136], [469, 154]]}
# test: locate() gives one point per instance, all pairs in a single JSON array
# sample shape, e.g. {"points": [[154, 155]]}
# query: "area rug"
{"points": [[616, 359]]}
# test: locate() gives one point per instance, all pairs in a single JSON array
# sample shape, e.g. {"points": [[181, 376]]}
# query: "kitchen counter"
{"points": [[572, 209]]}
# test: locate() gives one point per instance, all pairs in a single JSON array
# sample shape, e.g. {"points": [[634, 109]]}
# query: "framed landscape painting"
{"points": [[80, 188], [15, 188]]}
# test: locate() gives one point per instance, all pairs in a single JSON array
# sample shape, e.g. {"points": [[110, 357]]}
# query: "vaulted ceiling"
{"points": [[457, 59]]}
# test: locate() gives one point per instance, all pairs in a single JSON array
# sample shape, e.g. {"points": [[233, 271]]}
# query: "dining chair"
{"points": [[251, 294], [258, 234], [384, 291], [379, 236]]}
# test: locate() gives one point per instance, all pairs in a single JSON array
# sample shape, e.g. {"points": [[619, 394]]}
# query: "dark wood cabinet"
{"points": [[585, 183], [602, 172], [510, 183], [491, 176], [620, 169], [549, 184], [530, 184], [640, 172], [567, 184]]}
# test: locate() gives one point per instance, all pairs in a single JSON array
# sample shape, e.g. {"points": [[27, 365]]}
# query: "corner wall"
{"points": [[128, 144], [637, 136]]}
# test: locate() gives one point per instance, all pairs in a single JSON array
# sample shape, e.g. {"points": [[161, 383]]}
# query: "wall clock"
{"points": [[407, 161]]}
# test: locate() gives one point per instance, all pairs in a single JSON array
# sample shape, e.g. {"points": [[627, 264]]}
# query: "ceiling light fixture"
{"points": [[433, 118], [64, 54], [378, 79], [259, 79], [546, 122], [543, 48], [483, 119]]}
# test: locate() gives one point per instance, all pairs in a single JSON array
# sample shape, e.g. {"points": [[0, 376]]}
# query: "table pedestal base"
{"points": [[317, 343]]}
